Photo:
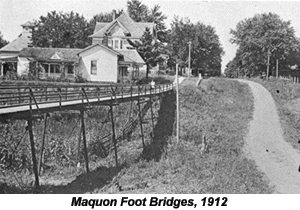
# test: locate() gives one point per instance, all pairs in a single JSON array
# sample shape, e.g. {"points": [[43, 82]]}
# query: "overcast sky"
{"points": [[222, 15]]}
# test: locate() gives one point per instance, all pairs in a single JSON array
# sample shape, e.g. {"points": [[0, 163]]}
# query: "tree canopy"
{"points": [[103, 17], [61, 30], [149, 50], [3, 42], [257, 36], [139, 12], [206, 50]]}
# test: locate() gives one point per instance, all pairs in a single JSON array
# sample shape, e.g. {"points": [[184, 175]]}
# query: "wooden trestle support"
{"points": [[38, 165]]}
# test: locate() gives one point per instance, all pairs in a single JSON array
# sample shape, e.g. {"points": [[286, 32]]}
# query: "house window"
{"points": [[121, 44], [54, 68], [110, 43], [116, 44], [45, 67], [93, 67], [70, 69]]}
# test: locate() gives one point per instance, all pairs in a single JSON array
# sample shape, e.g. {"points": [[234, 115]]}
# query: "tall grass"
{"points": [[221, 113]]}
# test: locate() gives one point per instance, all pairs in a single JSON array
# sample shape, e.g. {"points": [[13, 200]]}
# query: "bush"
{"points": [[80, 79]]}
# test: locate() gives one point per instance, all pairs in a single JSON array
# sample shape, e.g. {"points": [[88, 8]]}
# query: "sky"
{"points": [[222, 15]]}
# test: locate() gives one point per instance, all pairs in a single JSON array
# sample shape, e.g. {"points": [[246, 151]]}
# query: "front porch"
{"points": [[8, 66], [57, 70], [128, 73]]}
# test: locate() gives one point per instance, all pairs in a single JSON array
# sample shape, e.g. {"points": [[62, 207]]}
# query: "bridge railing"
{"points": [[21, 95]]}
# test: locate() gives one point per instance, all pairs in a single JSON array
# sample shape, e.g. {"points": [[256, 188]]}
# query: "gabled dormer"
{"points": [[117, 33]]}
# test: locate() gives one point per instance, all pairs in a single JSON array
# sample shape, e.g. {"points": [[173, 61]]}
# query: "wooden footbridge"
{"points": [[31, 101]]}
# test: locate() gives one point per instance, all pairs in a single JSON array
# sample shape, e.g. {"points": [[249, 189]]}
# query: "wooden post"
{"points": [[190, 44], [113, 132], [177, 105], [268, 64], [140, 117], [33, 153], [276, 68], [151, 109], [84, 142], [43, 143], [78, 145]]}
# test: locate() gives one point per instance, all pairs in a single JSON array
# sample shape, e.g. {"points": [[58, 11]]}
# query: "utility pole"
{"points": [[177, 104], [190, 45], [268, 64]]}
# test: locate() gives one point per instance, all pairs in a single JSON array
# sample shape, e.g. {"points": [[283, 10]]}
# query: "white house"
{"points": [[101, 63], [9, 60], [120, 32], [110, 58]]}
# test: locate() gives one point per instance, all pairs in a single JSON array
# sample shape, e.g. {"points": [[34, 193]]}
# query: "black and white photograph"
{"points": [[149, 97]]}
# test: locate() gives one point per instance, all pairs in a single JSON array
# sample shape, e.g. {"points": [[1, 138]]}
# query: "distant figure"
{"points": [[152, 84]]}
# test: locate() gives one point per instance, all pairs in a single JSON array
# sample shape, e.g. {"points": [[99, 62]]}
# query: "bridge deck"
{"points": [[22, 102]]}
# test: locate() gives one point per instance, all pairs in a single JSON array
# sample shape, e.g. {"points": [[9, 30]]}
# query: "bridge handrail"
{"points": [[20, 95]]}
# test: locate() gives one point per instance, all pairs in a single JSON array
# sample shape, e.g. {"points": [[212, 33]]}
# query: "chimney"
{"points": [[27, 32], [114, 14]]}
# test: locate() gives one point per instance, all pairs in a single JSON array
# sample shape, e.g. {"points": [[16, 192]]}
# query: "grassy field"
{"points": [[287, 97], [219, 110]]}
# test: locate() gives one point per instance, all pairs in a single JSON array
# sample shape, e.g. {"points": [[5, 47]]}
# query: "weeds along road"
{"points": [[266, 146]]}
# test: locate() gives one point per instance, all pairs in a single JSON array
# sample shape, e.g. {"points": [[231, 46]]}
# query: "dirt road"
{"points": [[266, 146]]}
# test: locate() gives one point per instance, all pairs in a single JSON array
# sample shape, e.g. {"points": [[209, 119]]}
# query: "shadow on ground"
{"points": [[163, 128], [84, 183]]}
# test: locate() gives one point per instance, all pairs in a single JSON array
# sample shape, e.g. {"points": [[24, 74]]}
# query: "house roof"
{"points": [[18, 44], [136, 29], [99, 26], [28, 24], [51, 54], [132, 56], [100, 45], [143, 26]]}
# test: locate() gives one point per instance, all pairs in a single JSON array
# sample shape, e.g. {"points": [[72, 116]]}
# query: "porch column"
{"points": [[1, 68], [131, 73], [74, 69], [62, 69]]}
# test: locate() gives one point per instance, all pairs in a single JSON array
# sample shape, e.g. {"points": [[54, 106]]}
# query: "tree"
{"points": [[259, 35], [103, 17], [137, 11], [149, 50], [3, 42], [181, 33], [206, 49], [141, 13], [61, 30]]}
